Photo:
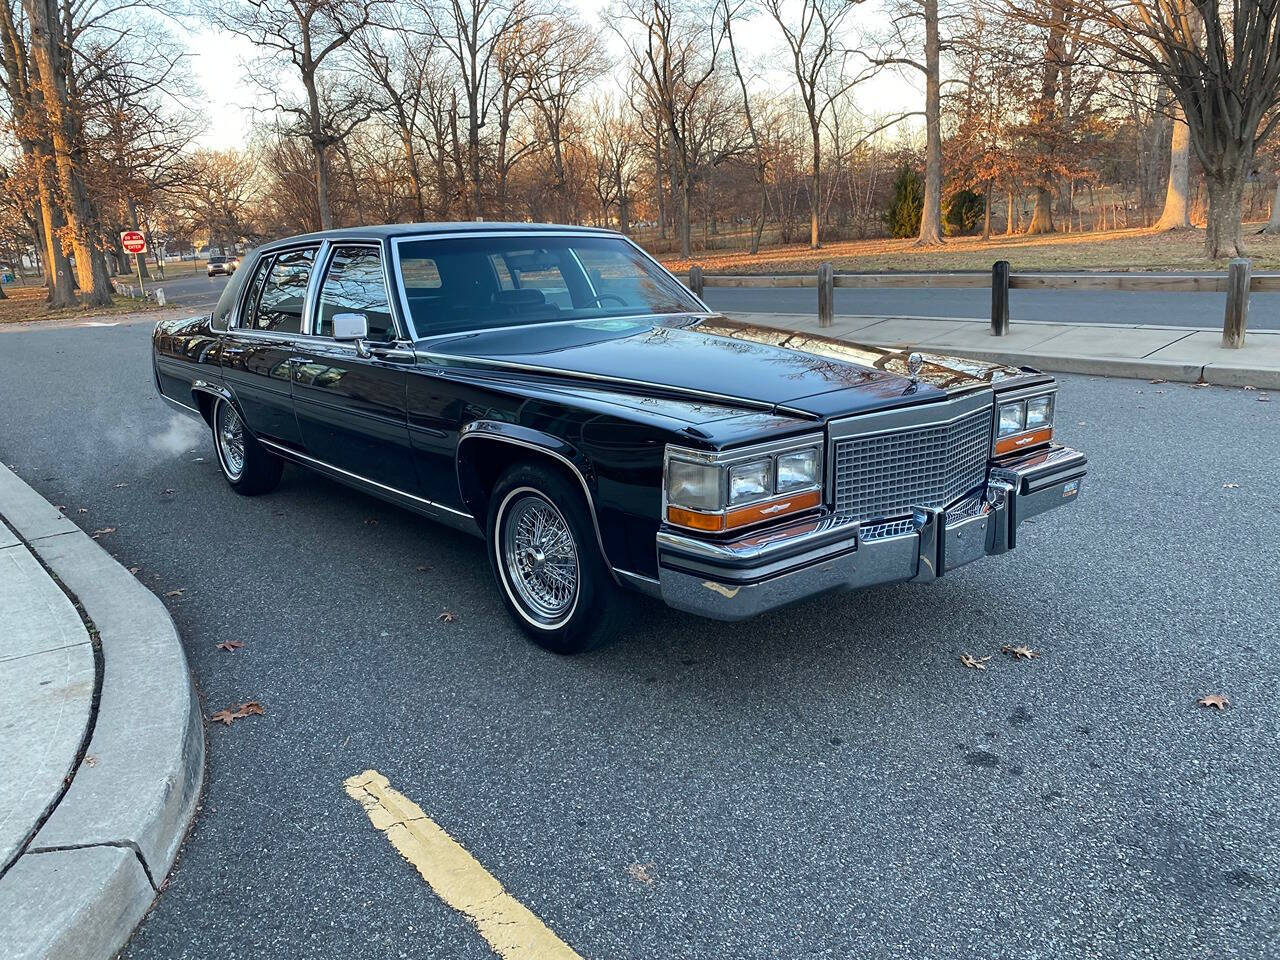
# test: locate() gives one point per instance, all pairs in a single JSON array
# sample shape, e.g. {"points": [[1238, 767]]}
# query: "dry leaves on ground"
{"points": [[1231, 486], [103, 532], [1250, 386], [90, 760], [974, 663], [642, 873], [176, 593], [1020, 652], [371, 522], [120, 486], [238, 711], [82, 509], [229, 645], [1215, 701], [1264, 398], [423, 568], [447, 616]]}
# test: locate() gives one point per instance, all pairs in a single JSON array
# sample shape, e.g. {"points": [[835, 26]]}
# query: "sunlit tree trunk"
{"points": [[1177, 195], [931, 215]]}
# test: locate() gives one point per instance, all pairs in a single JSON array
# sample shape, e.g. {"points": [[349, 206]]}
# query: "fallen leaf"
{"points": [[1159, 381], [176, 593], [1231, 486], [197, 460], [103, 532], [1264, 398], [447, 616], [229, 645], [90, 760], [1020, 652], [82, 509], [974, 663], [166, 490], [371, 522], [62, 507], [134, 570], [1250, 386], [251, 709], [1200, 384], [1215, 700], [224, 716], [120, 486], [640, 872], [423, 568]]}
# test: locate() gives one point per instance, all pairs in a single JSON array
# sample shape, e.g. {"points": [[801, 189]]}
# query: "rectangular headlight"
{"points": [[749, 481], [1013, 417], [1040, 411], [798, 469], [694, 486]]}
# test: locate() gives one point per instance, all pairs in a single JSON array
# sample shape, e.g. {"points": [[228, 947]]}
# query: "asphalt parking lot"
{"points": [[827, 781]]}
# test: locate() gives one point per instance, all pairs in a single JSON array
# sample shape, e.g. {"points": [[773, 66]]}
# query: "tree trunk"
{"points": [[1042, 212], [1273, 225], [1008, 218], [986, 211], [91, 265], [1177, 197], [57, 266], [814, 242], [758, 226], [931, 216], [1226, 199], [686, 204]]}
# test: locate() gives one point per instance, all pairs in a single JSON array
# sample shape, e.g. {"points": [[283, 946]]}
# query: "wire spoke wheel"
{"points": [[231, 440], [540, 557]]}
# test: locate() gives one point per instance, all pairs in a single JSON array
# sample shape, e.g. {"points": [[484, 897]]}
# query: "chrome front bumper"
{"points": [[742, 578]]}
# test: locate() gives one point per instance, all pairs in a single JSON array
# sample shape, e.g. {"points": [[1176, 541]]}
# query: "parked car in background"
{"points": [[224, 266], [558, 393]]}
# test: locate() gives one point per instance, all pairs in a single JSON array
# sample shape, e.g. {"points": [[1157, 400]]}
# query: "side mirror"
{"points": [[350, 326]]}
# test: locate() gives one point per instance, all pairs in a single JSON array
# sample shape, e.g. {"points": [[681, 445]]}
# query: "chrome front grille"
{"points": [[886, 473]]}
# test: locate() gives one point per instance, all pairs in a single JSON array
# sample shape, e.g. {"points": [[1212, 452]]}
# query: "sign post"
{"points": [[135, 243]]}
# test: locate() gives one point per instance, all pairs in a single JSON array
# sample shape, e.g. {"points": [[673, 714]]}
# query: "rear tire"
{"points": [[546, 559], [246, 464]]}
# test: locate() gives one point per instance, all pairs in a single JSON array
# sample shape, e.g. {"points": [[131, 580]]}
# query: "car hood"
{"points": [[716, 359]]}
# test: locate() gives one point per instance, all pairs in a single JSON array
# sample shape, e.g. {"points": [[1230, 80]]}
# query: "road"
{"points": [[196, 289], [826, 781], [1075, 306], [1177, 309]]}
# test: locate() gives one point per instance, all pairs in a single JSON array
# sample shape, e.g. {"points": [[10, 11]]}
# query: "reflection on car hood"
{"points": [[717, 358]]}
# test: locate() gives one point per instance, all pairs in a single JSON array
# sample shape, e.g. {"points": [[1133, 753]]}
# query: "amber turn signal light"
{"points": [[711, 522], [1020, 441]]}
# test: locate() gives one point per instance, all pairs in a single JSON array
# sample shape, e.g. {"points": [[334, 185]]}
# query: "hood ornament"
{"points": [[915, 363]]}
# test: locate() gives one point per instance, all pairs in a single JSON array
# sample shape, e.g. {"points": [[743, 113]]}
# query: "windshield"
{"points": [[471, 283]]}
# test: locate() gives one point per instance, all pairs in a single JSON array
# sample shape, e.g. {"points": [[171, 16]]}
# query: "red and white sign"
{"points": [[133, 241]]}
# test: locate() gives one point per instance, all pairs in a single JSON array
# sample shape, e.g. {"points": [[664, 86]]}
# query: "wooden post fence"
{"points": [[695, 280], [826, 294], [1239, 277], [1000, 298]]}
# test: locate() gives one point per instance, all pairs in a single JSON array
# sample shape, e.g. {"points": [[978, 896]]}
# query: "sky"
{"points": [[234, 103]]}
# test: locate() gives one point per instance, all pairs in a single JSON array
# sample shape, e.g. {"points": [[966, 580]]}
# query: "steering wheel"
{"points": [[607, 296]]}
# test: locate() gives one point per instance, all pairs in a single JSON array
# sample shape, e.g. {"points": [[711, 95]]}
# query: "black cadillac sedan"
{"points": [[558, 393]]}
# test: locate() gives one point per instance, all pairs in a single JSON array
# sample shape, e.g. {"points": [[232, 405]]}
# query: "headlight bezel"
{"points": [[770, 504], [1022, 434]]}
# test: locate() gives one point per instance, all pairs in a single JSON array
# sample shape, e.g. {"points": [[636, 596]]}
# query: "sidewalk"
{"points": [[101, 740], [1180, 354]]}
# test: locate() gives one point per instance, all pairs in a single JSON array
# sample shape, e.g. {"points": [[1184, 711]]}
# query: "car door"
{"points": [[351, 408], [257, 359]]}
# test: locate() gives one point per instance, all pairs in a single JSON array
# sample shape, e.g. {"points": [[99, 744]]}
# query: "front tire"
{"points": [[547, 562], [246, 464]]}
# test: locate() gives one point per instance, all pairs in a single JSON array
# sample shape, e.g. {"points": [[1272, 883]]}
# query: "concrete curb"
{"points": [[96, 863]]}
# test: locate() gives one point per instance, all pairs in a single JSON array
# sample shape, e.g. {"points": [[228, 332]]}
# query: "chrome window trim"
{"points": [[726, 459], [532, 234]]}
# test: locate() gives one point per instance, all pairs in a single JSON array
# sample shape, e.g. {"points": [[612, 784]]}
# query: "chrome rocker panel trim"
{"points": [[457, 519], [744, 578]]}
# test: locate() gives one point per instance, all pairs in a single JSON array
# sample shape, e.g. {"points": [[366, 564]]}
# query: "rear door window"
{"points": [[282, 297], [354, 284]]}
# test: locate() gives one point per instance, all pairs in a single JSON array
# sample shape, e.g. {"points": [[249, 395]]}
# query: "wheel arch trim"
{"points": [[541, 443]]}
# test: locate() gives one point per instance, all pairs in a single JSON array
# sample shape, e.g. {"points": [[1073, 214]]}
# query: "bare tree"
{"points": [[819, 61], [310, 35], [1227, 84]]}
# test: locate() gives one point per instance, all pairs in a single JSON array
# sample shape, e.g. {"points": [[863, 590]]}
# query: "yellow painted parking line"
{"points": [[457, 877]]}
